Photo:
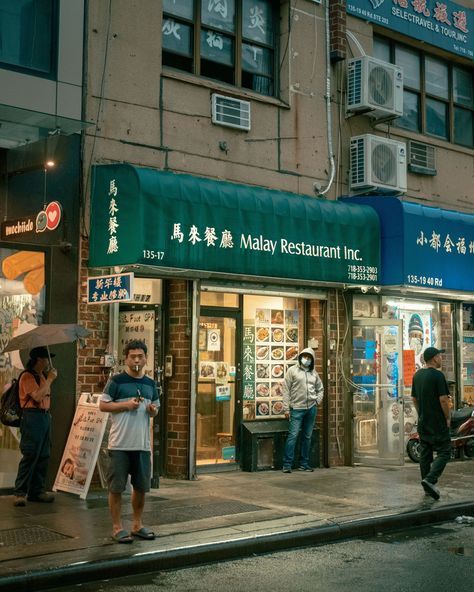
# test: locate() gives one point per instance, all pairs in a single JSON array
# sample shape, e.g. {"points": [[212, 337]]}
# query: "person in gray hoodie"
{"points": [[303, 391]]}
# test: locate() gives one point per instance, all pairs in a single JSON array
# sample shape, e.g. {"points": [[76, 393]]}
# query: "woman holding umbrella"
{"points": [[35, 444]]}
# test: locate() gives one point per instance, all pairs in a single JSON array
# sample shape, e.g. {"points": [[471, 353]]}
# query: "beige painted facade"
{"points": [[158, 117]]}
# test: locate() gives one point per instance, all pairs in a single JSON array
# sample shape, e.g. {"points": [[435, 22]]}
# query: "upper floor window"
{"points": [[438, 96], [228, 40], [27, 32]]}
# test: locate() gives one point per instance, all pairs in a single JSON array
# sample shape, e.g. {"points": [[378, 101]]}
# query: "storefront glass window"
{"points": [[141, 320], [223, 299], [22, 306], [272, 337], [425, 323], [467, 354]]}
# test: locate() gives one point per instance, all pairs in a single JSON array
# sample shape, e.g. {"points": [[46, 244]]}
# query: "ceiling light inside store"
{"points": [[411, 305]]}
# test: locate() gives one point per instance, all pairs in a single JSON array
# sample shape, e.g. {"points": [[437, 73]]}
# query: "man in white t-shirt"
{"points": [[131, 398]]}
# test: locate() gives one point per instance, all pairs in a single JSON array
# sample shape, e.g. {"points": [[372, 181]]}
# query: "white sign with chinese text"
{"points": [[82, 447]]}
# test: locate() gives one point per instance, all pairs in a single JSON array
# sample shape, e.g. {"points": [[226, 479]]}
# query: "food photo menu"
{"points": [[270, 347]]}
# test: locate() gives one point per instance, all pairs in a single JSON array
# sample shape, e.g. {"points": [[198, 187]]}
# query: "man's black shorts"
{"points": [[136, 463]]}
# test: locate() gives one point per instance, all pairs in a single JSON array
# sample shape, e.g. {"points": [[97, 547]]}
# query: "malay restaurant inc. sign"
{"points": [[442, 24], [150, 217]]}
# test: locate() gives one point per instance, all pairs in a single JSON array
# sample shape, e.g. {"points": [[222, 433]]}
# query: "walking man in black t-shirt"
{"points": [[431, 399]]}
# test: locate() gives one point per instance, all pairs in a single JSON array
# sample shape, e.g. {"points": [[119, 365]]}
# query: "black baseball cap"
{"points": [[431, 352], [40, 352]]}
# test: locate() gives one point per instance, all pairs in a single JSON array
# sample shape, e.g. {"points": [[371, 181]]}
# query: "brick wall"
{"points": [[177, 388], [336, 389], [337, 28], [91, 376], [446, 342], [315, 331]]}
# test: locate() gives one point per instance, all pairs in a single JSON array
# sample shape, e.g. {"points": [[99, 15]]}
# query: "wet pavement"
{"points": [[221, 515]]}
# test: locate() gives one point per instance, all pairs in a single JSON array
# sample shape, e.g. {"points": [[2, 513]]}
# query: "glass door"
{"points": [[217, 408], [378, 392]]}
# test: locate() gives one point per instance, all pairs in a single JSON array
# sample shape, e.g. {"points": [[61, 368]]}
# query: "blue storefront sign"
{"points": [[445, 24], [110, 288], [423, 246]]}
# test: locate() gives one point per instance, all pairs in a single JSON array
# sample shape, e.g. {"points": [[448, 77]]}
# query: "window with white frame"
{"points": [[438, 96], [232, 41]]}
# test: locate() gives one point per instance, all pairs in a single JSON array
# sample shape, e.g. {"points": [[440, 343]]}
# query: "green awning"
{"points": [[176, 221]]}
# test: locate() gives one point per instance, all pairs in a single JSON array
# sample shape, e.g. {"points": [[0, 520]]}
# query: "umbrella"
{"points": [[46, 335]]}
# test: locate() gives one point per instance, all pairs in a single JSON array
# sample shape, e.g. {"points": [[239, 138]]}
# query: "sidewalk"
{"points": [[219, 516]]}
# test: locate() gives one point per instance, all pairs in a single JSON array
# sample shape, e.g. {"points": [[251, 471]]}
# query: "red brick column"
{"points": [[91, 376], [336, 388], [177, 388], [337, 28], [315, 331]]}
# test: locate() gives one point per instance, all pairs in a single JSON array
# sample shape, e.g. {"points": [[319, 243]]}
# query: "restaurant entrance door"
{"points": [[378, 395], [218, 406]]}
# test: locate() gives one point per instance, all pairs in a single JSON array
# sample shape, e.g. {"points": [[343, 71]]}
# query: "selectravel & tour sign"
{"points": [[443, 24], [150, 217]]}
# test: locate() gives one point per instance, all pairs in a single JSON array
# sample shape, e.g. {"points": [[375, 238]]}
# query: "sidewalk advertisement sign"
{"points": [[82, 447]]}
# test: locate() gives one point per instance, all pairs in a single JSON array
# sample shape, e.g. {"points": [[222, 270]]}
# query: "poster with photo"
{"points": [[82, 447], [207, 370], [417, 332]]}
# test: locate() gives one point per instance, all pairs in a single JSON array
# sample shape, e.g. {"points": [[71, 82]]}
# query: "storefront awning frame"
{"points": [[260, 234], [423, 248]]}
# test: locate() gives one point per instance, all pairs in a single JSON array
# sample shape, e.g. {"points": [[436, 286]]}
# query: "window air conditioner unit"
{"points": [[374, 88], [230, 112], [421, 158], [378, 165]]}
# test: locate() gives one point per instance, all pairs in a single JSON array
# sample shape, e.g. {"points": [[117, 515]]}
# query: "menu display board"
{"points": [[270, 347]]}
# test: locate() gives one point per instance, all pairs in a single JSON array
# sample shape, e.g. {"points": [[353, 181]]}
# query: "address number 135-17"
{"points": [[154, 255]]}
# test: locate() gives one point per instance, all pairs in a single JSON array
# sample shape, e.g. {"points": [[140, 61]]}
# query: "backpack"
{"points": [[10, 408]]}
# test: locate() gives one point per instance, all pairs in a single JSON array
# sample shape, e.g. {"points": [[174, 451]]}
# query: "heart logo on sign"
{"points": [[53, 213]]}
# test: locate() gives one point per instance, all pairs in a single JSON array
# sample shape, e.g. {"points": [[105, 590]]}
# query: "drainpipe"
{"points": [[328, 103]]}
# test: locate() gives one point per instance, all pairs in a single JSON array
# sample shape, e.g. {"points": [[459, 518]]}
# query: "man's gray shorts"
{"points": [[136, 463]]}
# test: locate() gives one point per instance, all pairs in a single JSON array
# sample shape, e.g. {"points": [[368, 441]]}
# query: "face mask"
{"points": [[306, 362]]}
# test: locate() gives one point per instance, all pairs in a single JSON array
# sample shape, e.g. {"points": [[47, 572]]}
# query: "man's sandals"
{"points": [[143, 533], [123, 537]]}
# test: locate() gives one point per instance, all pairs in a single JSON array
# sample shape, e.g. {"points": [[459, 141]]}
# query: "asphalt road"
{"points": [[435, 558]]}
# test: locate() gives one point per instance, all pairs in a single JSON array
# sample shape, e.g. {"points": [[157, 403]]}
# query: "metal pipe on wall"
{"points": [[194, 378]]}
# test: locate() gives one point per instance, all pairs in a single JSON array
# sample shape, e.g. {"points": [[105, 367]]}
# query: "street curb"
{"points": [[227, 549]]}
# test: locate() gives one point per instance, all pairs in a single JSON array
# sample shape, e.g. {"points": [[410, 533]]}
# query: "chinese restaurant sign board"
{"points": [[110, 288], [442, 24], [150, 217], [423, 246]]}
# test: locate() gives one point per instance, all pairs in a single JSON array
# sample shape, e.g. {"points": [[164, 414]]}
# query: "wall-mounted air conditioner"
{"points": [[374, 88], [230, 112], [378, 164]]}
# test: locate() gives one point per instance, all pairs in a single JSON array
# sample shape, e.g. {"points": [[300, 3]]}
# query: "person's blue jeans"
{"points": [[300, 420], [35, 446]]}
